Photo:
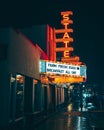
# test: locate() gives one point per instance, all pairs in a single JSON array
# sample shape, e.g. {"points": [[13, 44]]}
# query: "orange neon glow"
{"points": [[66, 35], [66, 22], [66, 44], [73, 59], [66, 17], [66, 53], [67, 12], [62, 40], [63, 30], [63, 49], [66, 39], [62, 44], [62, 79], [68, 79]]}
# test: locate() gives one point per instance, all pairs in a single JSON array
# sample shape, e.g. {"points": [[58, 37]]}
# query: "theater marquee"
{"points": [[61, 68]]}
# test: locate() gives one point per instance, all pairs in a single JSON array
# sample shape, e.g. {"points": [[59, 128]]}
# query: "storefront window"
{"points": [[19, 96], [12, 96]]}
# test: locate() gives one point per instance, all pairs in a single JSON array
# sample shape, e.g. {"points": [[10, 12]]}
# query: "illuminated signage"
{"points": [[83, 71], [56, 68], [64, 72], [62, 69], [66, 21], [66, 37], [66, 53], [42, 66]]}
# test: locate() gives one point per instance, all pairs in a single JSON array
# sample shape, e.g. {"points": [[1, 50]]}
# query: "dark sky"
{"points": [[88, 18]]}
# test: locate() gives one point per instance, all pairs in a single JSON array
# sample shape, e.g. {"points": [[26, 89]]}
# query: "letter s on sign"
{"points": [[66, 17]]}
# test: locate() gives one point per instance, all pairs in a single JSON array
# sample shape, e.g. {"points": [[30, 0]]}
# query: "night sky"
{"points": [[88, 18]]}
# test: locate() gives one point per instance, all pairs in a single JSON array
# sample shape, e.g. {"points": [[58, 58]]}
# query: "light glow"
{"points": [[66, 53], [66, 37]]}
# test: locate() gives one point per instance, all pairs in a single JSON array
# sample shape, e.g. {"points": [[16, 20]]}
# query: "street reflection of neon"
{"points": [[69, 107], [69, 122], [79, 123]]}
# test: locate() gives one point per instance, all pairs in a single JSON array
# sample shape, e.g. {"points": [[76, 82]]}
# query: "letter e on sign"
{"points": [[66, 53]]}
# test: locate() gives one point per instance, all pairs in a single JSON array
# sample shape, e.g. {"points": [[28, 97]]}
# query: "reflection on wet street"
{"points": [[70, 118]]}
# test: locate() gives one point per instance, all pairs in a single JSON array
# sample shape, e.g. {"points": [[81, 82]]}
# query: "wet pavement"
{"points": [[73, 117], [96, 119], [69, 117]]}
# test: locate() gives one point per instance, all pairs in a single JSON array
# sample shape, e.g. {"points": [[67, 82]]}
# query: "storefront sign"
{"points": [[57, 68]]}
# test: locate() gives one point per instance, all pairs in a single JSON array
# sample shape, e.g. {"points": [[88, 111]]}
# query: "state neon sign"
{"points": [[66, 39]]}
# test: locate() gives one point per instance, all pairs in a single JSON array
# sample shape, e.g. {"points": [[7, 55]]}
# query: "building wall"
{"points": [[23, 56], [19, 56], [4, 76], [44, 36]]}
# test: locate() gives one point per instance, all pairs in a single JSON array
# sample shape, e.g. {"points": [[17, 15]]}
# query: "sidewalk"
{"points": [[70, 116], [96, 119]]}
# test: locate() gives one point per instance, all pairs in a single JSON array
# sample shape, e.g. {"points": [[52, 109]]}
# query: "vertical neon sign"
{"points": [[66, 39]]}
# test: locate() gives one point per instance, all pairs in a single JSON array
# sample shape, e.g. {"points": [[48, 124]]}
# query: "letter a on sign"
{"points": [[66, 35]]}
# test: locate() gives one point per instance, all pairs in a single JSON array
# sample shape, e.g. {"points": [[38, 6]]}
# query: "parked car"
{"points": [[90, 106]]}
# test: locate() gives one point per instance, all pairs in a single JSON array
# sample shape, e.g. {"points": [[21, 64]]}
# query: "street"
{"points": [[73, 118]]}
